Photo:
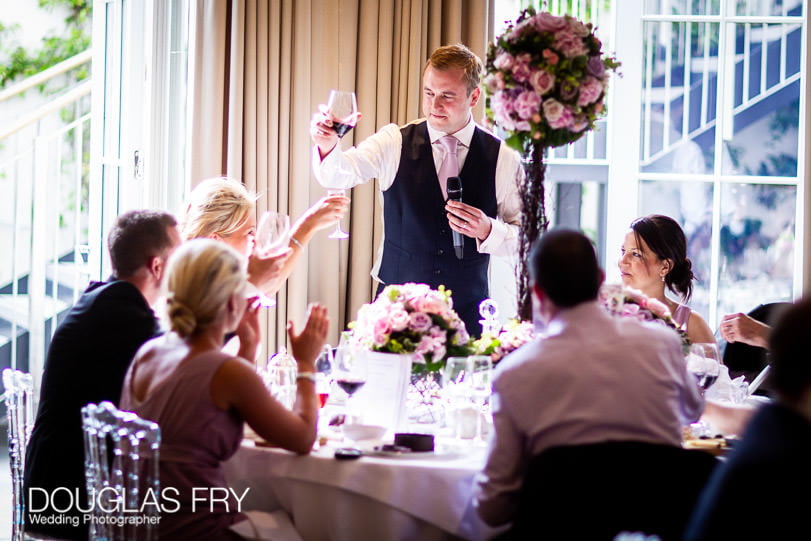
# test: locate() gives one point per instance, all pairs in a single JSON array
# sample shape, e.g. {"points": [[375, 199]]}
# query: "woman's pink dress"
{"points": [[196, 437]]}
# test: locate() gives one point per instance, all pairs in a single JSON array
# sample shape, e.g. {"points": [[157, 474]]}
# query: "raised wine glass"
{"points": [[272, 237], [342, 108], [338, 233]]}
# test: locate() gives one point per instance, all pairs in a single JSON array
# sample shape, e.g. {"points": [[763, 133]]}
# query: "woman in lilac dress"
{"points": [[654, 257], [201, 396]]}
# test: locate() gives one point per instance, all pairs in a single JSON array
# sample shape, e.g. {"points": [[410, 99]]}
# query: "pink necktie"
{"points": [[450, 165]]}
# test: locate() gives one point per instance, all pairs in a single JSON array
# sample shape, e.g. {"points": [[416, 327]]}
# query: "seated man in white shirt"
{"points": [[592, 378]]}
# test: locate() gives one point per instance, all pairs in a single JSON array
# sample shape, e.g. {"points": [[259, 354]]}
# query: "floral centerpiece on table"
{"points": [[624, 301], [506, 339], [412, 319], [546, 83]]}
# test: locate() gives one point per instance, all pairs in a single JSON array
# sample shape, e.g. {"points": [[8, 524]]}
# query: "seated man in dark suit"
{"points": [[751, 496], [87, 360], [593, 377]]}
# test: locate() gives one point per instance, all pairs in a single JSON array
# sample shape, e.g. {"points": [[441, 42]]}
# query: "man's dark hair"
{"points": [[564, 265], [789, 344], [137, 237]]}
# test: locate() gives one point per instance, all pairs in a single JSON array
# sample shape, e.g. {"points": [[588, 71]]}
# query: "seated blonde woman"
{"points": [[201, 396], [222, 208]]}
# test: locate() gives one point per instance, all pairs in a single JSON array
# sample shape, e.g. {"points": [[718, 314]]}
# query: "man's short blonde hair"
{"points": [[457, 56]]}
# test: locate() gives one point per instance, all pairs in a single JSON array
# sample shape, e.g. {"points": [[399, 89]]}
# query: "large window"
{"points": [[710, 99]]}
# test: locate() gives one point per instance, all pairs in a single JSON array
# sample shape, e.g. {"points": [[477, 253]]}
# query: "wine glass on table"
{"points": [[350, 375], [481, 378], [272, 237], [704, 362]]}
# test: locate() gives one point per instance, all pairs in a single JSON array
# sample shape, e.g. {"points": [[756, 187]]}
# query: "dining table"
{"points": [[380, 495]]}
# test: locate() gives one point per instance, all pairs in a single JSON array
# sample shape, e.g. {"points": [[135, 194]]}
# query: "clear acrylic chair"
{"points": [[121, 468], [19, 399]]}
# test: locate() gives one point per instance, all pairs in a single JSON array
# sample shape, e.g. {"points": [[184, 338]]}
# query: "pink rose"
{"points": [[579, 123], [491, 83], [542, 81], [381, 327], [502, 105], [522, 125], [590, 91], [426, 345], [399, 319], [521, 70], [569, 44], [527, 104], [546, 22], [557, 115], [419, 322], [430, 305], [577, 27], [504, 61]]}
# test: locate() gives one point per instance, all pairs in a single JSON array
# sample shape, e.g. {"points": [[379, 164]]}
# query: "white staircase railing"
{"points": [[44, 166], [760, 36]]}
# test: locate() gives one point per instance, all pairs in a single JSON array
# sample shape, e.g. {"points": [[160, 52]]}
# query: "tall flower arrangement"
{"points": [[546, 82]]}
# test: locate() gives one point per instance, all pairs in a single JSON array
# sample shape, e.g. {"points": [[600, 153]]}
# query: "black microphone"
{"points": [[455, 194]]}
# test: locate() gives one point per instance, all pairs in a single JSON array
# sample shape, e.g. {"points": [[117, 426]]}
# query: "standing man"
{"points": [[87, 360], [593, 378], [412, 165]]}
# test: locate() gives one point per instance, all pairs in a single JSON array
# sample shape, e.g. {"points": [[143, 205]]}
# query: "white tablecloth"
{"points": [[370, 498]]}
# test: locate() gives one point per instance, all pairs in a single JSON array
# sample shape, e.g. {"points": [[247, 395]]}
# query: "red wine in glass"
{"points": [[350, 386], [340, 128], [322, 399], [342, 108]]}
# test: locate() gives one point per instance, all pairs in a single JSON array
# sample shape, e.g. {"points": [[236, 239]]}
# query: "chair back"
{"points": [[599, 490], [121, 467], [19, 399]]}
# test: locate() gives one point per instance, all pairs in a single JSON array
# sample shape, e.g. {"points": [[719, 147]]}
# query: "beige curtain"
{"points": [[260, 70]]}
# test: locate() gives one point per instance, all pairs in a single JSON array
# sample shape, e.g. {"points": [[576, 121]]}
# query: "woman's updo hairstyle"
{"points": [[217, 206], [202, 275], [665, 238]]}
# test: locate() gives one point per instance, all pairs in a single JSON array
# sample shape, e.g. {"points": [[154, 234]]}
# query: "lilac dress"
{"points": [[196, 437], [681, 315]]}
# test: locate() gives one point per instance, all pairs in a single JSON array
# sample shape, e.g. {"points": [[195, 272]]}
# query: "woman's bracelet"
{"points": [[296, 242], [306, 375]]}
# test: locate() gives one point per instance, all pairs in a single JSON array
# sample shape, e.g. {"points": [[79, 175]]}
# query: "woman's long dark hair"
{"points": [[665, 238]]}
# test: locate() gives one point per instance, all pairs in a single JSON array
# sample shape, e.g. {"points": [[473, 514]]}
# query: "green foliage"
{"points": [[22, 62]]}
